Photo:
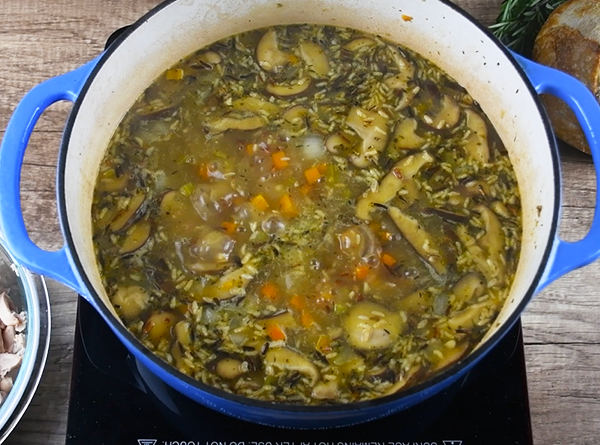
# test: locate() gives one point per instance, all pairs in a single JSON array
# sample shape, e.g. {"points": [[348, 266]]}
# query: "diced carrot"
{"points": [[361, 272], [260, 203], [406, 18], [322, 168], [324, 344], [387, 259], [385, 235], [312, 175], [269, 290], [306, 319], [297, 302], [251, 148], [293, 59], [174, 74], [305, 189], [287, 207], [203, 171], [229, 227], [280, 160], [275, 332]]}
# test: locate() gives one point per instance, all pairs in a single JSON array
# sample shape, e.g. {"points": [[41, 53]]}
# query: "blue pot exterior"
{"points": [[66, 267]]}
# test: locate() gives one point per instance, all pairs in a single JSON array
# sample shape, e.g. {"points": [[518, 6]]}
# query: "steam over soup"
{"points": [[307, 214]]}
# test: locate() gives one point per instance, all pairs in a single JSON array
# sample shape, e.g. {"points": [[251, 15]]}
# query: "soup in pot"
{"points": [[307, 214]]}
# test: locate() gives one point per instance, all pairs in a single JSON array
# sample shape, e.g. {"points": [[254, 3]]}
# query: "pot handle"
{"points": [[56, 265], [566, 256]]}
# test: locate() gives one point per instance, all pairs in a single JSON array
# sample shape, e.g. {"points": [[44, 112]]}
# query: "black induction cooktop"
{"points": [[115, 401]]}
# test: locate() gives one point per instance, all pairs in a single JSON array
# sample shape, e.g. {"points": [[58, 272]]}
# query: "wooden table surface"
{"points": [[43, 38]]}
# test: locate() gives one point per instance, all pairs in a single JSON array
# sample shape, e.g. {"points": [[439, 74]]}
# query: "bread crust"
{"points": [[570, 42]]}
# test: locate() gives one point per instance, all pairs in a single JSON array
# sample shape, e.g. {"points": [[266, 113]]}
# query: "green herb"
{"points": [[520, 21]]}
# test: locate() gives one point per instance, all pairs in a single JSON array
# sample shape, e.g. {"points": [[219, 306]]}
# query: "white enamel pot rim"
{"points": [[436, 29]]}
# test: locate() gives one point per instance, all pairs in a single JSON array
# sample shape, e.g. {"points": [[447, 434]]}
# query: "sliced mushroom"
{"points": [[451, 356], [448, 115], [256, 106], [231, 284], [424, 244], [159, 324], [326, 390], [406, 71], [370, 326], [416, 302], [469, 287], [469, 318], [129, 214], [211, 252], [400, 177], [287, 360], [500, 209], [360, 244], [372, 128], [337, 143], [314, 56], [296, 114], [477, 141], [493, 242], [131, 301], [359, 44], [7, 313], [270, 57], [403, 381], [210, 57], [231, 122], [8, 362], [183, 333], [289, 89], [228, 368], [137, 236], [173, 204], [405, 137]]}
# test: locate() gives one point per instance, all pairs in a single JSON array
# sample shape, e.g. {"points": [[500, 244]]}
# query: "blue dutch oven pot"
{"points": [[505, 85]]}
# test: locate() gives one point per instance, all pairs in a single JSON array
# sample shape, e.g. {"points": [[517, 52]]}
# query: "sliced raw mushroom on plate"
{"points": [[477, 141], [371, 326], [422, 241], [287, 360], [373, 129], [315, 58], [270, 57], [400, 177]]}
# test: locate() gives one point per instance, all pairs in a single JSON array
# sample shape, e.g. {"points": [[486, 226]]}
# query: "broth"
{"points": [[307, 214]]}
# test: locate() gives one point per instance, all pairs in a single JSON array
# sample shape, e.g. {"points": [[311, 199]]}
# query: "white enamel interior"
{"points": [[436, 31]]}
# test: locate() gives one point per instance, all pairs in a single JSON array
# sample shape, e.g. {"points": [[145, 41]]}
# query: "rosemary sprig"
{"points": [[520, 21]]}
